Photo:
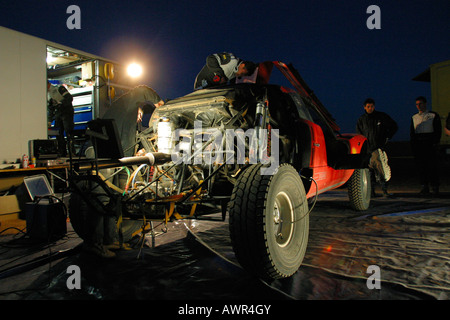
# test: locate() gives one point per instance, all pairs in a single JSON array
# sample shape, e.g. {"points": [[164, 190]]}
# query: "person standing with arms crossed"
{"points": [[425, 133]]}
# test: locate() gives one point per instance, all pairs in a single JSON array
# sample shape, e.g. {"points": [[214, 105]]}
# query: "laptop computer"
{"points": [[38, 186]]}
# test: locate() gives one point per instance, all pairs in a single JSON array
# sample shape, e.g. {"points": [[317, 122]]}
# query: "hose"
{"points": [[132, 177]]}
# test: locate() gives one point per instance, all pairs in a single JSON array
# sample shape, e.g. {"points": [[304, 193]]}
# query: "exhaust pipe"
{"points": [[151, 158]]}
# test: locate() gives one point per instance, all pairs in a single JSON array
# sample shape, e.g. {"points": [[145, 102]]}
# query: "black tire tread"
{"points": [[355, 192], [247, 230]]}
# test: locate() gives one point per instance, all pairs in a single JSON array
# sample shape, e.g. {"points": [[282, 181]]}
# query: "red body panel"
{"points": [[356, 141], [326, 177]]}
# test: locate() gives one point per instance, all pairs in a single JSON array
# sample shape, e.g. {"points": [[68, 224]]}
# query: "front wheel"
{"points": [[269, 222]]}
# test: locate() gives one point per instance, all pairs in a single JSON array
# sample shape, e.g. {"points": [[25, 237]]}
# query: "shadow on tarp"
{"points": [[183, 269], [187, 270]]}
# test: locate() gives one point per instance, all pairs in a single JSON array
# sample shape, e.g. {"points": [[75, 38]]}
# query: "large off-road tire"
{"points": [[359, 189], [79, 211], [269, 222]]}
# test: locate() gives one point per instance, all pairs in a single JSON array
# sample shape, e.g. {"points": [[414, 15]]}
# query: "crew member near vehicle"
{"points": [[425, 133], [61, 110], [378, 127], [221, 68]]}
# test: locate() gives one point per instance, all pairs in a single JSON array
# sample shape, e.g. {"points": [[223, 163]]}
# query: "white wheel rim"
{"points": [[283, 218]]}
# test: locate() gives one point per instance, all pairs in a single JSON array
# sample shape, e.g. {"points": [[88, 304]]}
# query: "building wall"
{"points": [[23, 92], [440, 93]]}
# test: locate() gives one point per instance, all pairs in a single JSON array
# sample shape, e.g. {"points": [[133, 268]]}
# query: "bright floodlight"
{"points": [[134, 70]]}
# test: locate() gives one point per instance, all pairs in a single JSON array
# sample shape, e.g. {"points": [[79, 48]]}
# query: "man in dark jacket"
{"points": [[378, 128], [425, 133], [221, 68], [61, 110]]}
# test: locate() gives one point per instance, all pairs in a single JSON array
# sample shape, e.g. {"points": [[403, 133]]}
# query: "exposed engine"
{"points": [[193, 133]]}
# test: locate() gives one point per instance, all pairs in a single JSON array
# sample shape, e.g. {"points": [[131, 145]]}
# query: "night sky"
{"points": [[328, 42]]}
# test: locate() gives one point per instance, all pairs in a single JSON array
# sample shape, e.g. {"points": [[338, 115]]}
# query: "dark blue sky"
{"points": [[327, 41]]}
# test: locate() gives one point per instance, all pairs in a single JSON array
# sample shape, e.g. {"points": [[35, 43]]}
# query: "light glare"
{"points": [[134, 70]]}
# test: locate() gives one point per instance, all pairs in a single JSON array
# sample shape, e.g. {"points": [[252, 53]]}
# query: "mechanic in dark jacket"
{"points": [[221, 68], [425, 133], [61, 110], [378, 128]]}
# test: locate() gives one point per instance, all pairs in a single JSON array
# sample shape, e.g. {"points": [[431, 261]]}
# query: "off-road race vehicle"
{"points": [[259, 152]]}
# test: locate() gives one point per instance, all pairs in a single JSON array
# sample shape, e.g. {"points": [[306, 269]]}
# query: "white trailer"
{"points": [[26, 63]]}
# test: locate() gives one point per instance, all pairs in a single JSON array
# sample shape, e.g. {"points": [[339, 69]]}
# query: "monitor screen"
{"points": [[38, 185]]}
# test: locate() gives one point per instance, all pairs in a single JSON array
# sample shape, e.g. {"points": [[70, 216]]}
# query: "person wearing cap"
{"points": [[221, 68]]}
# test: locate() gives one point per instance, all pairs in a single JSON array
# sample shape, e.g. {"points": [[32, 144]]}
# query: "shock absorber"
{"points": [[259, 142]]}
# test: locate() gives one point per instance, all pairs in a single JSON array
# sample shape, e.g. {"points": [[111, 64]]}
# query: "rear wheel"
{"points": [[269, 221], [80, 212], [359, 189]]}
